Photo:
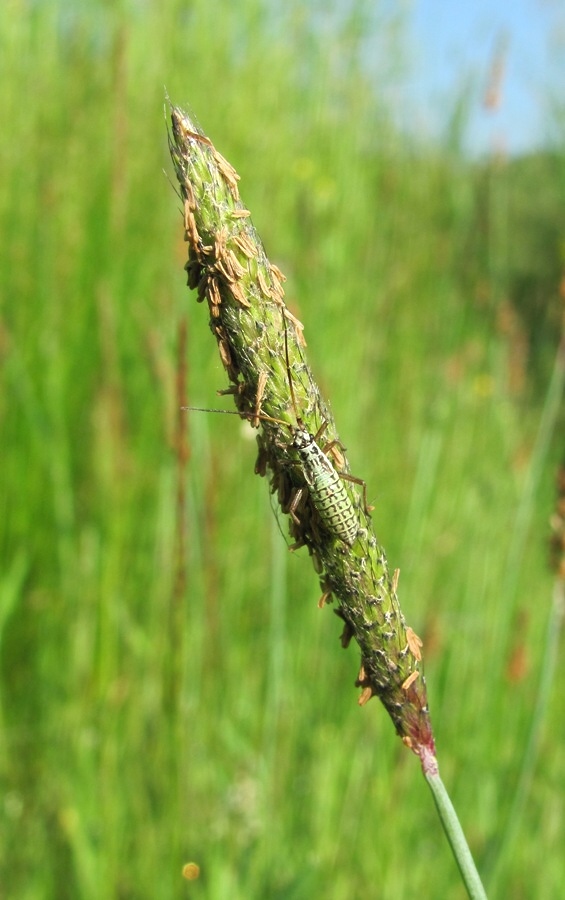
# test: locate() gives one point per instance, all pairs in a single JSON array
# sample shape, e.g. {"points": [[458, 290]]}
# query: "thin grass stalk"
{"points": [[455, 836], [182, 455], [550, 414], [494, 865], [261, 345]]}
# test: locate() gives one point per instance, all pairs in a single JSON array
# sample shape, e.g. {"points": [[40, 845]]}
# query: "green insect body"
{"points": [[326, 488]]}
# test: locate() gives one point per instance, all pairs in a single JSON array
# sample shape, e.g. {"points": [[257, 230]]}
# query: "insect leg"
{"points": [[345, 475], [320, 432], [295, 503], [261, 384], [359, 481]]}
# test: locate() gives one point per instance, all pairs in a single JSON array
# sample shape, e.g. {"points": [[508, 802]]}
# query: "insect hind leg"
{"points": [[367, 507], [345, 475]]}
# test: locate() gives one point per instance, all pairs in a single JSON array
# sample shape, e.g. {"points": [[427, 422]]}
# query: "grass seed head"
{"points": [[261, 345]]}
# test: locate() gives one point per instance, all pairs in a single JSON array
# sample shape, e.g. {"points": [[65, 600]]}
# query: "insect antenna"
{"points": [[315, 403], [242, 415], [289, 376]]}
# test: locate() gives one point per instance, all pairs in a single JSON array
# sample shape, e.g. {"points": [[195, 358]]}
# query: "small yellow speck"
{"points": [[191, 871]]}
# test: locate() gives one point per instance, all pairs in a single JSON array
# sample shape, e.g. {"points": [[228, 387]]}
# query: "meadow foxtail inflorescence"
{"points": [[261, 346]]}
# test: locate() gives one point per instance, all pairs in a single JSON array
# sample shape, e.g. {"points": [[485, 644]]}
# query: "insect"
{"points": [[324, 483], [325, 486]]}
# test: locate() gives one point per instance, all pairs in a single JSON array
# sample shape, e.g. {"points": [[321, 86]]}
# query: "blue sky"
{"points": [[455, 41]]}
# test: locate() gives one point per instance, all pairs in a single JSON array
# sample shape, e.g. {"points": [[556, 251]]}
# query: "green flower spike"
{"points": [[261, 347]]}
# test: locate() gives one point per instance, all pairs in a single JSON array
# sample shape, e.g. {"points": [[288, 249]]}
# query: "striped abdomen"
{"points": [[326, 489]]}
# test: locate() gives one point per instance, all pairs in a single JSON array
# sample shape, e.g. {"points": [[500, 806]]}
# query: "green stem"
{"points": [[453, 831], [550, 661]]}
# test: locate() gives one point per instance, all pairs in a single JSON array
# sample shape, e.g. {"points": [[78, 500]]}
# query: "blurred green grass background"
{"points": [[169, 690]]}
